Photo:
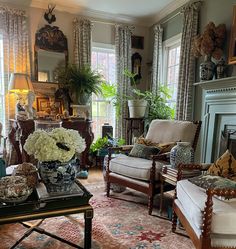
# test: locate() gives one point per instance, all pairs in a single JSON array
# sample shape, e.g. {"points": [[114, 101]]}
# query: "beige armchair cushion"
{"points": [[134, 167], [162, 131]]}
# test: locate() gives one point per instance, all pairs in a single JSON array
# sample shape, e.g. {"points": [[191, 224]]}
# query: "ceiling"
{"points": [[136, 11]]}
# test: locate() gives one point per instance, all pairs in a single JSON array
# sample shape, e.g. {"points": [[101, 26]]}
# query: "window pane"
{"points": [[172, 72], [103, 60]]}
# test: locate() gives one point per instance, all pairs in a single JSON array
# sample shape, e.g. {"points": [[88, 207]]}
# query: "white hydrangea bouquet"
{"points": [[60, 144]]}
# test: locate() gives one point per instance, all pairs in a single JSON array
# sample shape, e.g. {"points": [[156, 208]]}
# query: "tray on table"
{"points": [[41, 200]]}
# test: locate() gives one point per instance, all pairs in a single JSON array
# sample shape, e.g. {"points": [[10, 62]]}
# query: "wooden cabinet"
{"points": [[20, 130]]}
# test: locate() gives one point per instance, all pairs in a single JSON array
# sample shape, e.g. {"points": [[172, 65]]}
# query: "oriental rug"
{"points": [[117, 224]]}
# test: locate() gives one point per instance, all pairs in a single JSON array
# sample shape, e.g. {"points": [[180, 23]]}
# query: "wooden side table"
{"points": [[169, 176], [134, 126]]}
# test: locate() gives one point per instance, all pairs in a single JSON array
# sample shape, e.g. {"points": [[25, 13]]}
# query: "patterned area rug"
{"points": [[117, 224]]}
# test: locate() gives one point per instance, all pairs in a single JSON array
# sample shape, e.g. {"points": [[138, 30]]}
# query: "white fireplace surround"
{"points": [[219, 111]]}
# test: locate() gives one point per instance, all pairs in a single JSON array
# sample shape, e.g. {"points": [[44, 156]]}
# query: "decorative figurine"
{"points": [[29, 109]]}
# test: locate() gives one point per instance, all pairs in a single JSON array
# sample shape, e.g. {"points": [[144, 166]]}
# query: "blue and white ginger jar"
{"points": [[181, 153]]}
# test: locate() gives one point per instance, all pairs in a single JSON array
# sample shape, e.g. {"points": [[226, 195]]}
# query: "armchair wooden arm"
{"points": [[163, 157], [208, 210]]}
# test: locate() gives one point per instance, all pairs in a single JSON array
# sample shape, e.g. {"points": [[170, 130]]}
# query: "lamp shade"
{"points": [[20, 83]]}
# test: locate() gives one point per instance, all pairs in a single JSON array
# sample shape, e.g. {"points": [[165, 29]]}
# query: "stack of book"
{"points": [[185, 174]]}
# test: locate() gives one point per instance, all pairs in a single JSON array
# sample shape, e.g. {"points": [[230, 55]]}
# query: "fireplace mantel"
{"points": [[219, 113], [218, 84]]}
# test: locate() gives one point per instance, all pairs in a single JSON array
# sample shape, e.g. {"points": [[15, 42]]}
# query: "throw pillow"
{"points": [[147, 142], [163, 147], [143, 151], [215, 182], [224, 166], [166, 147]]}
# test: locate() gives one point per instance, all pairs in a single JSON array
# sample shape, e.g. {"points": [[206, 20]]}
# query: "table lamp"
{"points": [[20, 84]]}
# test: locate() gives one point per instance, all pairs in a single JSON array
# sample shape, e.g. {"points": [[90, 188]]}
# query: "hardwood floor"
{"points": [[95, 176]]}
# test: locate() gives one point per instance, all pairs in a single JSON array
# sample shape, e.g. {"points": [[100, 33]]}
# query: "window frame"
{"points": [[172, 42], [105, 48]]}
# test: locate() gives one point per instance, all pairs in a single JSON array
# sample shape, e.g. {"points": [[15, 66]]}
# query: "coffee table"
{"points": [[40, 205]]}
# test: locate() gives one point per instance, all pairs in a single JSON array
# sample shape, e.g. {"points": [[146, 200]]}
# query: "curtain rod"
{"points": [[171, 17]]}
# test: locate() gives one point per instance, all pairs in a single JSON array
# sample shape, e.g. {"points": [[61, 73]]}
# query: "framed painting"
{"points": [[232, 43], [137, 42], [43, 104]]}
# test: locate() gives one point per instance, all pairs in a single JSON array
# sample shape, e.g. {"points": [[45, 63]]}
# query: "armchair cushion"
{"points": [[192, 199], [137, 168], [224, 166], [143, 151]]}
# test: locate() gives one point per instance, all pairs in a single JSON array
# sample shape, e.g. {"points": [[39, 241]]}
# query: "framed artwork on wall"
{"points": [[43, 104], [232, 43], [137, 42]]}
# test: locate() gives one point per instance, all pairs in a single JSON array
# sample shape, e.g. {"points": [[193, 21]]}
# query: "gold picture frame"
{"points": [[43, 103], [232, 43]]}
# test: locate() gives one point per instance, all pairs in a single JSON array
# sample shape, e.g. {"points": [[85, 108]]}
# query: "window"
{"points": [[103, 61], [2, 91], [171, 56]]}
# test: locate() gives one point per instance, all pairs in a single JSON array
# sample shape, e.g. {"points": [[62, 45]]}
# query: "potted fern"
{"points": [[80, 83]]}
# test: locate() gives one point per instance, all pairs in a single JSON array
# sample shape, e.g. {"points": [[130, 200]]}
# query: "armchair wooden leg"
{"points": [[108, 188], [150, 205], [174, 221]]}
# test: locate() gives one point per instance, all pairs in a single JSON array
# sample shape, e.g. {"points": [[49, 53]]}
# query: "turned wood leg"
{"points": [[174, 221], [150, 205], [108, 188]]}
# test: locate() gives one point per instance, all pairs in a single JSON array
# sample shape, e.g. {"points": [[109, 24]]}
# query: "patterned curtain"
{"points": [[123, 61], [187, 67], [14, 32], [157, 57], [82, 42], [16, 50]]}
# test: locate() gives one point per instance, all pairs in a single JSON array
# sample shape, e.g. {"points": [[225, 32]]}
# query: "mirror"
{"points": [[50, 51]]}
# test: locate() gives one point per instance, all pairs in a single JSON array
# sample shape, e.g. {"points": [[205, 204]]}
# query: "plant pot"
{"points": [[81, 111], [137, 108]]}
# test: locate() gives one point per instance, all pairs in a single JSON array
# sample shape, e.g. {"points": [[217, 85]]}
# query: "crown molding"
{"points": [[167, 10], [113, 18], [94, 14]]}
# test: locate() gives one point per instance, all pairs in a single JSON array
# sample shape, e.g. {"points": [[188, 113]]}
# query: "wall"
{"points": [[102, 32]]}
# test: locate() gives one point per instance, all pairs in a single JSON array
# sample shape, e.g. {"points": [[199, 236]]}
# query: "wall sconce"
{"points": [[20, 84]]}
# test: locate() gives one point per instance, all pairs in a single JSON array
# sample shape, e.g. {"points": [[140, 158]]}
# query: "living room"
{"points": [[160, 50]]}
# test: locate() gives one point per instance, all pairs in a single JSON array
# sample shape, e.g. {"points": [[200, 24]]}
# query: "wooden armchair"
{"points": [[142, 174], [209, 221]]}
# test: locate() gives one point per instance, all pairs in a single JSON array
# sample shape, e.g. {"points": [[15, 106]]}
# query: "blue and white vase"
{"points": [[181, 153], [57, 176], [207, 69]]}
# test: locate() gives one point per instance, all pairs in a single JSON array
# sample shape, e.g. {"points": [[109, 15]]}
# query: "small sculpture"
{"points": [[21, 114], [29, 109]]}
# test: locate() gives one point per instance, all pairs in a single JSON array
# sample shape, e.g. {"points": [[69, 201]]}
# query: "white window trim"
{"points": [[171, 42], [103, 46]]}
